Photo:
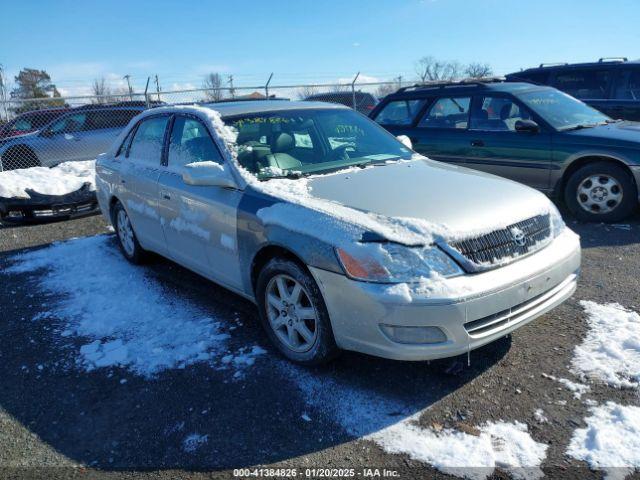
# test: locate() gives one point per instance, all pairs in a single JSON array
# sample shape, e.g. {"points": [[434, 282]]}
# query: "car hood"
{"points": [[460, 199], [611, 134]]}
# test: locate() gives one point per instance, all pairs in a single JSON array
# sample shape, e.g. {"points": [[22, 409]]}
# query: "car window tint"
{"points": [[399, 112], [190, 143], [497, 114], [448, 112], [628, 85], [148, 140], [22, 124], [535, 77], [583, 83], [70, 123]]}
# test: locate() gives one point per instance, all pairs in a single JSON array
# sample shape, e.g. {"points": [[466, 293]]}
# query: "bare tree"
{"points": [[101, 90], [213, 85], [386, 89], [478, 70], [430, 69], [3, 96], [307, 91]]}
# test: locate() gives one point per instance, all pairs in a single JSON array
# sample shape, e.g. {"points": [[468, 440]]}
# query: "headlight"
{"points": [[557, 224], [394, 263]]}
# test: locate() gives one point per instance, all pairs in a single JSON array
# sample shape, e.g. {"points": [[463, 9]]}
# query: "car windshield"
{"points": [[562, 111], [308, 141]]}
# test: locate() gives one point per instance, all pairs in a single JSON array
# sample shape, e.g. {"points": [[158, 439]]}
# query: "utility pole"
{"points": [[158, 87], [399, 81], [266, 87], [127, 77], [232, 91], [353, 91], [3, 93]]}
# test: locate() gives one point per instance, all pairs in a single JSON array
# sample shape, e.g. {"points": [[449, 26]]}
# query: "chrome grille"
{"points": [[500, 246]]}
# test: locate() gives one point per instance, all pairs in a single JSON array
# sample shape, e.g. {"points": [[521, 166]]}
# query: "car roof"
{"points": [[602, 63], [455, 88], [231, 109]]}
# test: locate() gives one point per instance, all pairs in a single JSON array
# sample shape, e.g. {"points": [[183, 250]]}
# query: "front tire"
{"points": [[127, 240], [601, 192], [293, 313]]}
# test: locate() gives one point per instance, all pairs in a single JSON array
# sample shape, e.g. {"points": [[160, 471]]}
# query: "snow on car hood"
{"points": [[461, 199], [62, 179]]}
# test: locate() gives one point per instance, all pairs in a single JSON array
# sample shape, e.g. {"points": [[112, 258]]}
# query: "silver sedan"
{"points": [[342, 235]]}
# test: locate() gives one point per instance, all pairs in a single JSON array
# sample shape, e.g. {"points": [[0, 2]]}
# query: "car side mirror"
{"points": [[406, 141], [527, 126], [46, 133], [209, 174]]}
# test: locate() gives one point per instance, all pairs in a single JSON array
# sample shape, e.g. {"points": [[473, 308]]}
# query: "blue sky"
{"points": [[302, 41]]}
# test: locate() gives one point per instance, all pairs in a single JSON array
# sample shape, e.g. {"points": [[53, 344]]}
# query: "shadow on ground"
{"points": [[113, 420]]}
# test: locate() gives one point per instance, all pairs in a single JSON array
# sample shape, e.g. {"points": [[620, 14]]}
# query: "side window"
{"points": [[70, 123], [536, 77], [125, 143], [497, 114], [190, 143], [628, 85], [302, 139], [447, 112], [147, 143], [591, 84], [399, 112]]}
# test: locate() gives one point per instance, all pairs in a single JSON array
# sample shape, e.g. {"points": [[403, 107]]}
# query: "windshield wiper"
{"points": [[291, 175], [581, 126]]}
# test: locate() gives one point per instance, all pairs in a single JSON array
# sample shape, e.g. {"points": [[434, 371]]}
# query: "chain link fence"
{"points": [[49, 131]]}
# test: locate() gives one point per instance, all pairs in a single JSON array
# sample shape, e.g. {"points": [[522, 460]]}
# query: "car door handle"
{"points": [[477, 143], [123, 181], [166, 196]]}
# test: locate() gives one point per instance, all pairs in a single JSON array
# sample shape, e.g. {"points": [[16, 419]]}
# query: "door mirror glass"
{"points": [[210, 174], [406, 141], [527, 126]]}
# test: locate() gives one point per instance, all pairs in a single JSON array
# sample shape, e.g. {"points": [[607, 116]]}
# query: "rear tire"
{"points": [[293, 313], [18, 157], [601, 192], [127, 240]]}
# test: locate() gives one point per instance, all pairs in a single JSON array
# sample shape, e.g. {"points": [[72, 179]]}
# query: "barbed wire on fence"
{"points": [[48, 131]]}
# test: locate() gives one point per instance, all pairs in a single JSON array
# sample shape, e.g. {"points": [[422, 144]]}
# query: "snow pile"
{"points": [[194, 441], [124, 318], [578, 389], [391, 424], [505, 445], [610, 440], [611, 350], [64, 178]]}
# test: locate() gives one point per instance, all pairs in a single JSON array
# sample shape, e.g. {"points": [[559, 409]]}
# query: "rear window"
{"points": [[588, 83], [399, 112]]}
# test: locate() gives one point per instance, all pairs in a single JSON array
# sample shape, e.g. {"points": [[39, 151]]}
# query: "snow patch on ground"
{"points": [[540, 416], [611, 350], [578, 389], [505, 445], [64, 178], [125, 318], [611, 439], [193, 442], [392, 424]]}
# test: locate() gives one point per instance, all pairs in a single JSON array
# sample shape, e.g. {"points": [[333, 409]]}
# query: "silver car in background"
{"points": [[342, 236], [81, 134]]}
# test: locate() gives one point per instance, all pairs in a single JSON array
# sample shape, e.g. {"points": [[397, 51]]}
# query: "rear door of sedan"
{"points": [[139, 175], [199, 222]]}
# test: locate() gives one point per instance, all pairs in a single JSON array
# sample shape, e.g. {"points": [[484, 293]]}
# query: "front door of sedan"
{"points": [[499, 149], [139, 173], [200, 222]]}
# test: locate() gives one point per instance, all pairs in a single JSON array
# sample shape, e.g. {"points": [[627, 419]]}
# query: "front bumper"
{"points": [[494, 304], [43, 208]]}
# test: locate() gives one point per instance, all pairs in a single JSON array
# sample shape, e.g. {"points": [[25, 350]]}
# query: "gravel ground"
{"points": [[58, 421]]}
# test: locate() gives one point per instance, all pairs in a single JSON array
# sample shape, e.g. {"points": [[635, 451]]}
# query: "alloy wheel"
{"points": [[125, 232], [291, 314]]}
